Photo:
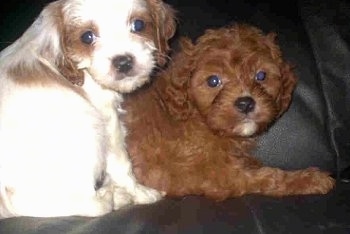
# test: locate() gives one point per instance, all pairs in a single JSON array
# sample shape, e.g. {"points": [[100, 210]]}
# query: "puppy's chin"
{"points": [[125, 83], [121, 83], [247, 128], [129, 84]]}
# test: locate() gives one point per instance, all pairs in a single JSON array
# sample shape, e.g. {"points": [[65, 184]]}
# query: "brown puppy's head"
{"points": [[235, 77]]}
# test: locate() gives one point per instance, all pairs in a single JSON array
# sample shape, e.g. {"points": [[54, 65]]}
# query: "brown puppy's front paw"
{"points": [[313, 181]]}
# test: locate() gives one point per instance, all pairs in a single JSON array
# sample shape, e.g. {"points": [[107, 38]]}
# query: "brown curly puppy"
{"points": [[191, 132]]}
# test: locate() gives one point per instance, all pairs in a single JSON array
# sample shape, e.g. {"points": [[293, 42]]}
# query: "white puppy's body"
{"points": [[49, 160], [60, 141]]}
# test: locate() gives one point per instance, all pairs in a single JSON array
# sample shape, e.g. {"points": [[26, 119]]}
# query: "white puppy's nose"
{"points": [[123, 63]]}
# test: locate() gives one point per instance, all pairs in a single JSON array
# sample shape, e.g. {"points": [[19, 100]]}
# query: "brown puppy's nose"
{"points": [[123, 63], [245, 104]]}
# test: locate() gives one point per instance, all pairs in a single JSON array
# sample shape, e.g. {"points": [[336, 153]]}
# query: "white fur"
{"points": [[57, 139]]}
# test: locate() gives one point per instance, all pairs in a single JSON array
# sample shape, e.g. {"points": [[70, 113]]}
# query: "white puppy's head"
{"points": [[116, 42]]}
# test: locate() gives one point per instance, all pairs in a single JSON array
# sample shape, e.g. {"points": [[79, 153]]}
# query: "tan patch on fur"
{"points": [[40, 75]]}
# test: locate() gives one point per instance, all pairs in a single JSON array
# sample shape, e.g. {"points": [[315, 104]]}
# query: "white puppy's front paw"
{"points": [[104, 199], [145, 195], [121, 197]]}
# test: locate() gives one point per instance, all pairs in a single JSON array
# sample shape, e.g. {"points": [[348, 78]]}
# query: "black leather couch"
{"points": [[314, 35]]}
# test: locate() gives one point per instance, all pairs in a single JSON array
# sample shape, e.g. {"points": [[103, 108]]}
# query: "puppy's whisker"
{"points": [[49, 65], [152, 47], [164, 56]]}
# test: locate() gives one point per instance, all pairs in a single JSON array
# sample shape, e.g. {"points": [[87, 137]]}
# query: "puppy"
{"points": [[192, 131], [62, 149]]}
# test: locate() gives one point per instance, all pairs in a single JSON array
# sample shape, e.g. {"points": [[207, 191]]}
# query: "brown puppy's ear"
{"points": [[164, 24], [271, 42], [288, 77], [289, 80], [174, 81]]}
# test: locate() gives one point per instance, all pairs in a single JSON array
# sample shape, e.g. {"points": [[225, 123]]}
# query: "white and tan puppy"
{"points": [[61, 142]]}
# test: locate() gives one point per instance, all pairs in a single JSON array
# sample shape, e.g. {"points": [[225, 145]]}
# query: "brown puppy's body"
{"points": [[192, 131]]}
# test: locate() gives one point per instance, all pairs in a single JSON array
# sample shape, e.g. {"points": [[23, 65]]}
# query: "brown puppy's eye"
{"points": [[260, 76], [213, 81]]}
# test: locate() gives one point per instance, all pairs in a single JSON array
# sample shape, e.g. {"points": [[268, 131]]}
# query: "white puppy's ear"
{"points": [[164, 23], [69, 70], [66, 66], [45, 39]]}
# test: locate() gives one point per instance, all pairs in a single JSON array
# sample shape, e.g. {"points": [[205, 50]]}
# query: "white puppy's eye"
{"points": [[88, 37], [137, 25], [213, 81]]}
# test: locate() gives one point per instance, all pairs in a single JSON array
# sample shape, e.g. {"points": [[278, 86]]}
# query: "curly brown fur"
{"points": [[189, 136]]}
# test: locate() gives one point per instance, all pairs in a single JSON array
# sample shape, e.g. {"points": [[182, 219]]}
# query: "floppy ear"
{"points": [[48, 32], [164, 24], [65, 64], [271, 42], [289, 80], [288, 77], [68, 68], [174, 82]]}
